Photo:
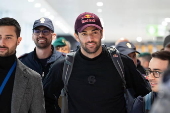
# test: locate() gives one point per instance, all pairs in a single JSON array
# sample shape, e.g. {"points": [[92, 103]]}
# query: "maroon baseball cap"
{"points": [[87, 19]]}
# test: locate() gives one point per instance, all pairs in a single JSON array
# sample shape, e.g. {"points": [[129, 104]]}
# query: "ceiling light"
{"points": [[30, 0], [167, 19], [139, 39], [47, 13], [99, 3], [42, 10], [37, 5], [99, 10]]}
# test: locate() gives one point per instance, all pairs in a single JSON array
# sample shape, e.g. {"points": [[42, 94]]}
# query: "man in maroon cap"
{"points": [[95, 85]]}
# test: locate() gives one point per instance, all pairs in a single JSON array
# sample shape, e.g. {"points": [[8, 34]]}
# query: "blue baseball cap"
{"points": [[126, 48], [44, 22]]}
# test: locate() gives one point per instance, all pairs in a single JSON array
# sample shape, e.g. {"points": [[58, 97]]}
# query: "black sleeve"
{"points": [[140, 68], [53, 85], [134, 78]]}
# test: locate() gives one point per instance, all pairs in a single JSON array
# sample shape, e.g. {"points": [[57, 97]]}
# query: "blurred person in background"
{"points": [[144, 59], [121, 40], [94, 84], [44, 54], [166, 43], [158, 64], [128, 49], [21, 88], [62, 45]]}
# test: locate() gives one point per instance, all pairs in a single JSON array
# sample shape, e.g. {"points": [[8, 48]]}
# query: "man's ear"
{"points": [[19, 40], [76, 37], [54, 35]]}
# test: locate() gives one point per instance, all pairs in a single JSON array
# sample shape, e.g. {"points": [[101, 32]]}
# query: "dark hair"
{"points": [[11, 22], [163, 55], [76, 32]]}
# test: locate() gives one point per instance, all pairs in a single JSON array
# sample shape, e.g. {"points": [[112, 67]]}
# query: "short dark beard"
{"points": [[88, 51], [42, 46]]}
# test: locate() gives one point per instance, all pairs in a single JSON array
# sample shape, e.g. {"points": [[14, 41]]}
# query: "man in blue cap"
{"points": [[44, 53], [128, 49]]}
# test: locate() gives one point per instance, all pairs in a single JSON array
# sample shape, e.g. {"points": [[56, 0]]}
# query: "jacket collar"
{"points": [[54, 56]]}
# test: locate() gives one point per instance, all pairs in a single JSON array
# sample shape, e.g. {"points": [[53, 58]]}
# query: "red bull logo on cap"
{"points": [[87, 18]]}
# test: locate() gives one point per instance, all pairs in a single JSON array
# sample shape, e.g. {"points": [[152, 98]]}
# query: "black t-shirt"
{"points": [[95, 86], [45, 66]]}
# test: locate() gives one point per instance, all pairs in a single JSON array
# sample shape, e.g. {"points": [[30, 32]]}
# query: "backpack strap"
{"points": [[128, 93], [116, 58], [148, 102], [67, 69]]}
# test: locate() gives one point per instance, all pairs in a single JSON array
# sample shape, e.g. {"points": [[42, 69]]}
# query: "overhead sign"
{"points": [[156, 30]]}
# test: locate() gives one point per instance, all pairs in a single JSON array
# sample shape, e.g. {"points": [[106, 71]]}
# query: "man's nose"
{"points": [[150, 76], [41, 34], [90, 38], [2, 41]]}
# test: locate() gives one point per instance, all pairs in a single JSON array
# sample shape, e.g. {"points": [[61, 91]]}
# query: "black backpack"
{"points": [[116, 58]]}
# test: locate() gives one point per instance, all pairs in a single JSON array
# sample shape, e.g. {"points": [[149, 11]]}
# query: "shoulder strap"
{"points": [[116, 58], [128, 93], [68, 65], [147, 100]]}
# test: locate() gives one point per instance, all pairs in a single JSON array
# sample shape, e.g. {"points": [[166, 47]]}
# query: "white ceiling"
{"points": [[122, 18]]}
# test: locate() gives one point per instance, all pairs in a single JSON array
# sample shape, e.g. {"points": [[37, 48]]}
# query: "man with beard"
{"points": [[44, 53], [21, 88], [95, 85]]}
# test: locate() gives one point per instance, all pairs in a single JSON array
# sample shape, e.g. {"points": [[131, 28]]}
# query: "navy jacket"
{"points": [[31, 60], [144, 104]]}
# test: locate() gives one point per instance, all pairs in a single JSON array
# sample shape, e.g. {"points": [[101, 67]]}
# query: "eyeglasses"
{"points": [[156, 74], [44, 32]]}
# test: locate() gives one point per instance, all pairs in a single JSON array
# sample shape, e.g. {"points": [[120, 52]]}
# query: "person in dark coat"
{"points": [[95, 85], [128, 49], [44, 54]]}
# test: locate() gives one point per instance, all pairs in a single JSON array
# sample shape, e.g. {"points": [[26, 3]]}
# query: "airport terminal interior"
{"points": [[143, 22]]}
